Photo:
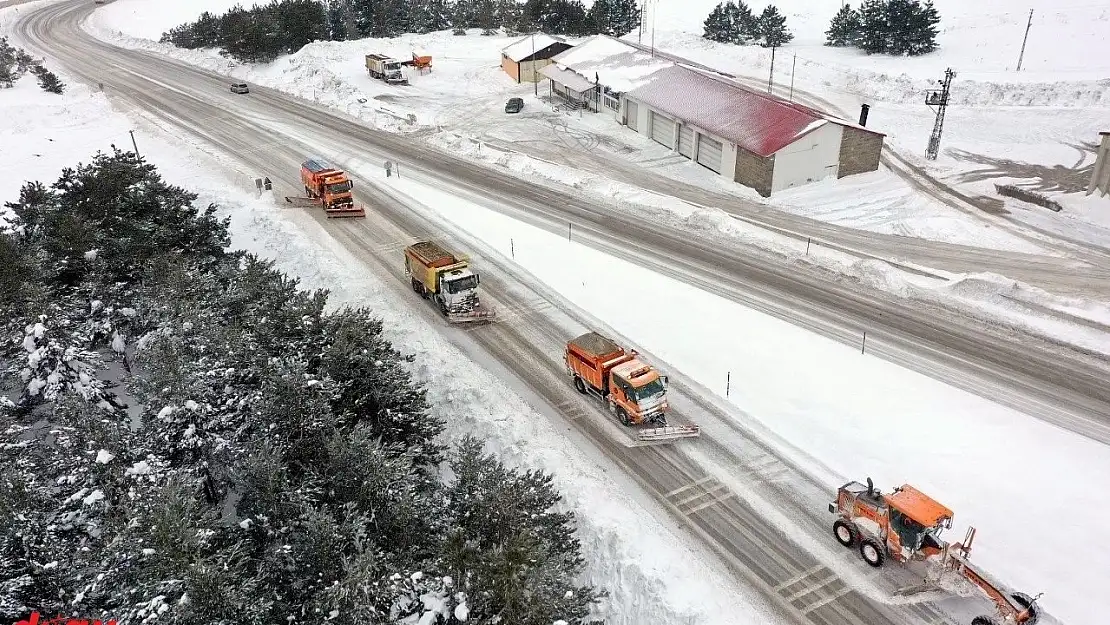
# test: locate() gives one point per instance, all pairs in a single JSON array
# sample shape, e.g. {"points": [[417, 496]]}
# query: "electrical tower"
{"points": [[938, 99]]}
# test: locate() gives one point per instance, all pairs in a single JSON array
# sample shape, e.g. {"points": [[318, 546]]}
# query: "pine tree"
{"points": [[509, 15], [48, 80], [719, 26], [922, 34], [899, 19], [873, 26], [772, 28], [844, 30]]}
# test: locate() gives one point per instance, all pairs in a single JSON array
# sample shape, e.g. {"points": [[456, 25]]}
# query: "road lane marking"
{"points": [[799, 577], [694, 484], [827, 600]]}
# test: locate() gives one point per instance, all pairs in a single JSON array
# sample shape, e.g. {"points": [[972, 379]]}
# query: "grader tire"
{"points": [[1026, 602], [871, 552], [984, 620], [846, 533]]}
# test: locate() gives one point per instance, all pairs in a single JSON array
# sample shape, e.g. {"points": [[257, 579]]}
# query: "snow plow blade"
{"points": [[302, 202], [669, 432], [346, 211], [471, 317]]}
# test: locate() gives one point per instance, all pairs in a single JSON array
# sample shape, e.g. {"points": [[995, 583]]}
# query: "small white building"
{"points": [[594, 73], [523, 58], [751, 137]]}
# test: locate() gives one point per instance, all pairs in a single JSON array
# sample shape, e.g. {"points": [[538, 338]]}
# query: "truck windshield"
{"points": [[462, 284], [393, 67], [648, 390], [339, 187]]}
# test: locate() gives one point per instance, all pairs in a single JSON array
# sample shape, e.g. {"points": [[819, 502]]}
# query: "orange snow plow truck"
{"points": [[328, 187], [634, 391]]}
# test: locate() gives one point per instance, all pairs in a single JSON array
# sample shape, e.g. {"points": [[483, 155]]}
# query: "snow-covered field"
{"points": [[653, 573]]}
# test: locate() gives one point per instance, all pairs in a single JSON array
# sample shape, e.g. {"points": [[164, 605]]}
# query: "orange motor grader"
{"points": [[905, 525]]}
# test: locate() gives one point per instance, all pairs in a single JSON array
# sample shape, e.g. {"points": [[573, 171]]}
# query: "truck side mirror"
{"points": [[666, 380], [351, 183], [477, 279]]}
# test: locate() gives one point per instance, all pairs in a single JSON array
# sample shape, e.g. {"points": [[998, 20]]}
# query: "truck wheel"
{"points": [[416, 286], [1026, 602], [580, 385], [845, 532], [622, 414], [983, 620], [872, 552]]}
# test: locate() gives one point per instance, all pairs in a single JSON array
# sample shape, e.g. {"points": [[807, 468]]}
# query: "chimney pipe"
{"points": [[863, 110]]}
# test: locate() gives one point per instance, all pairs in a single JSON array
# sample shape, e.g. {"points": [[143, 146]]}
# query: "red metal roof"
{"points": [[758, 122]]}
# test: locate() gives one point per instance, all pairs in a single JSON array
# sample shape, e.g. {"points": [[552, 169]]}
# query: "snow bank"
{"points": [[826, 398]]}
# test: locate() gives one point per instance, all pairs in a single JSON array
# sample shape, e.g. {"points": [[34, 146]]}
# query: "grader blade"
{"points": [[345, 212], [302, 202]]}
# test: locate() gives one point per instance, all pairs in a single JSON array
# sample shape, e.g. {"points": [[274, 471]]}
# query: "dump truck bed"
{"points": [[596, 346], [316, 165], [431, 255]]}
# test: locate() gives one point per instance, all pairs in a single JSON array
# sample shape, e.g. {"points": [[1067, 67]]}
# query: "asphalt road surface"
{"points": [[713, 485]]}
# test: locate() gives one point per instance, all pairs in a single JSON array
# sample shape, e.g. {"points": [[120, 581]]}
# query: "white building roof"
{"points": [[524, 47], [754, 120], [567, 78], [613, 63]]}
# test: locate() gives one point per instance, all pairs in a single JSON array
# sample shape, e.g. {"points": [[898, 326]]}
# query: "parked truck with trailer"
{"points": [[447, 280], [385, 68], [633, 390]]}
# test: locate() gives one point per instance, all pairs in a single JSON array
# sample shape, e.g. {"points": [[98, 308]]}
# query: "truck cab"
{"points": [[392, 71], [639, 390], [458, 290], [336, 190]]}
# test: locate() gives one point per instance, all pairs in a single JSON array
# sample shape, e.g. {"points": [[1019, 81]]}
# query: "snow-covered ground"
{"points": [[460, 106], [654, 574], [1008, 474]]}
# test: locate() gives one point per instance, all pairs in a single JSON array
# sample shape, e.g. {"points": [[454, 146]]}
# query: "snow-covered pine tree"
{"points": [[719, 25], [301, 23], [772, 28], [746, 25], [874, 29], [899, 19], [48, 80], [599, 16], [922, 32], [504, 524], [430, 16], [624, 17], [487, 17], [844, 29], [509, 15]]}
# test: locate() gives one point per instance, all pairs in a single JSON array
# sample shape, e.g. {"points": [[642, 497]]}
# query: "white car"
{"points": [[240, 87]]}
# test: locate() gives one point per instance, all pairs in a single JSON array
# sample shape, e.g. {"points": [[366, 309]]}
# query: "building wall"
{"points": [[530, 70], [511, 67], [644, 124], [814, 157], [753, 170], [729, 156], [859, 152]]}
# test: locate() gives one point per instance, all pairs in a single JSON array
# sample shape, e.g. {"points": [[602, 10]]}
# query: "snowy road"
{"points": [[1051, 382], [782, 566]]}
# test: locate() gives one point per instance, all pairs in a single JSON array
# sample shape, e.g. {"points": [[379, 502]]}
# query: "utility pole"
{"points": [[938, 99], [133, 144], [640, 32], [771, 77], [792, 68], [1023, 41], [535, 81]]}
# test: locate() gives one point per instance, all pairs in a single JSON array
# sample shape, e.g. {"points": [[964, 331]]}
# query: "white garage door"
{"points": [[709, 153], [686, 141], [662, 129], [632, 115]]}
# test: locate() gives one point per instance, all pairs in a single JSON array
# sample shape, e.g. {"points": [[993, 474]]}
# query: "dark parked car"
{"points": [[240, 87], [514, 105]]}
